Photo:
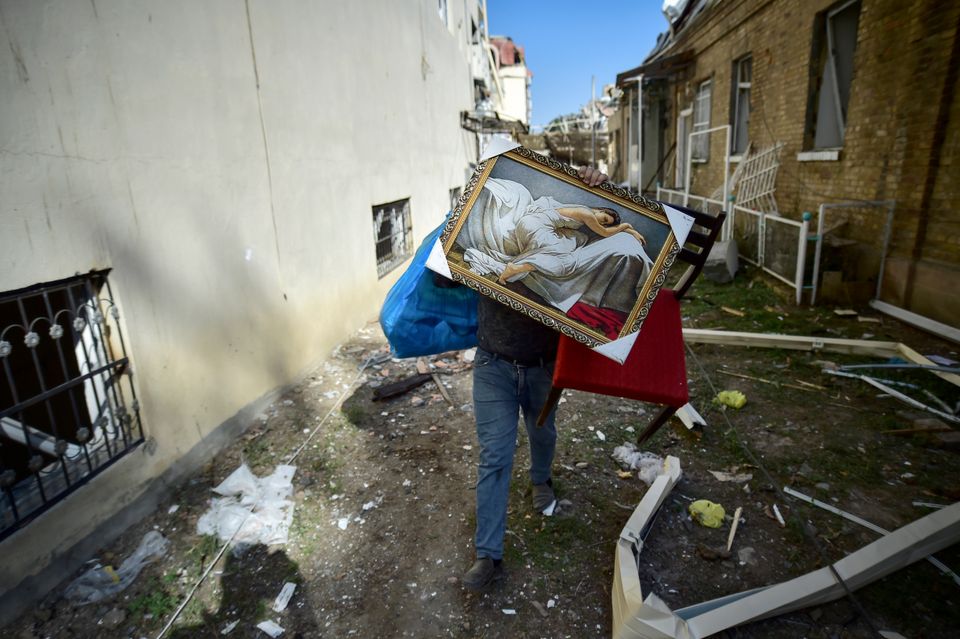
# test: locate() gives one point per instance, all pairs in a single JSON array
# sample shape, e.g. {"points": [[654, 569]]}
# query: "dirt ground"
{"points": [[383, 522]]}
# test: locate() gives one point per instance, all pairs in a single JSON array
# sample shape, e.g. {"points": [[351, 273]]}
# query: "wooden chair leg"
{"points": [[549, 405], [662, 417]]}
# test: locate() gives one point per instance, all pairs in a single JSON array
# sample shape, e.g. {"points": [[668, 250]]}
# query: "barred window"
{"points": [[68, 408], [392, 232]]}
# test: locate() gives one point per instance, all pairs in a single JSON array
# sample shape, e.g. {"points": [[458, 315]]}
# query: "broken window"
{"points": [[68, 408], [835, 42], [392, 234], [701, 121], [742, 73]]}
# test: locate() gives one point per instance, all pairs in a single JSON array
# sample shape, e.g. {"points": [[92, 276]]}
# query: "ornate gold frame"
{"points": [[546, 315]]}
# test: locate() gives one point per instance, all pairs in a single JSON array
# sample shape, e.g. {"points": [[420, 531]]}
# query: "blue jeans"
{"points": [[501, 390]]}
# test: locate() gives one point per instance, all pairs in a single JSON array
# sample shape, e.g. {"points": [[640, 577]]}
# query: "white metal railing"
{"points": [[885, 205], [755, 233]]}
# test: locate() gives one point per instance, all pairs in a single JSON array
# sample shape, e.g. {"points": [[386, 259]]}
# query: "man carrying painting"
{"points": [[512, 373]]}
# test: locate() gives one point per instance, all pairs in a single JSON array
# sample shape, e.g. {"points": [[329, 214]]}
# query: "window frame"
{"points": [[700, 149], [740, 88], [824, 77], [387, 261]]}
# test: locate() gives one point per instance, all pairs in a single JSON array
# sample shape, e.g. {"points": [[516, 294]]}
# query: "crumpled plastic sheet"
{"points": [[103, 581], [731, 398], [259, 510], [648, 465], [707, 513]]}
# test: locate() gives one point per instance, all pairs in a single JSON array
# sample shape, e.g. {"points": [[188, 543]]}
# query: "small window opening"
{"points": [[392, 233]]}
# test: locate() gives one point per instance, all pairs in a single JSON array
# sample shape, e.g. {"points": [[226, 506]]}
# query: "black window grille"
{"points": [[68, 408], [392, 233]]}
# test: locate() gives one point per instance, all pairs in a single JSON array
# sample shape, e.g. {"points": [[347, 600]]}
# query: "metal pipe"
{"points": [[802, 255]]}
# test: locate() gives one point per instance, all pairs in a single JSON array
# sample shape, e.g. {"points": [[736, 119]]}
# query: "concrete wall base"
{"points": [[62, 566]]}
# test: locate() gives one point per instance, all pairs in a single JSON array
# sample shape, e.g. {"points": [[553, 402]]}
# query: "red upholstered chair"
{"points": [[655, 371]]}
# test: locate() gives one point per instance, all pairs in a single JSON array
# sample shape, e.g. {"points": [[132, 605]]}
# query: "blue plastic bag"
{"points": [[420, 318]]}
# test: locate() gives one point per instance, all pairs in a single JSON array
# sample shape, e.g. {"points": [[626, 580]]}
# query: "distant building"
{"points": [[863, 96], [501, 89]]}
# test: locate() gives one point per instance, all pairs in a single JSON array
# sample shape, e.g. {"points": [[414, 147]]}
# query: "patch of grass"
{"points": [[257, 453], [354, 412], [159, 601]]}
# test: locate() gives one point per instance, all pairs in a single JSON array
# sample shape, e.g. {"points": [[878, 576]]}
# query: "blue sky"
{"points": [[567, 42]]}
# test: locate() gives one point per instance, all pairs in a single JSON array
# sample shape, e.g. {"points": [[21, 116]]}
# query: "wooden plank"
{"points": [[793, 342], [931, 326], [913, 356]]}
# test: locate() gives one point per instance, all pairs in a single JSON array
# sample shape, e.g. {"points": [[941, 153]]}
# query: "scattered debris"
{"points": [[712, 554], [732, 311], [926, 504], [897, 395], [539, 606], [866, 524], [774, 513], [804, 386], [509, 611], [227, 629], [252, 510], [399, 388], [443, 391], [103, 581], [651, 617], [173, 509], [648, 465], [114, 618], [690, 417], [733, 527], [707, 513], [271, 628], [731, 398], [280, 604], [845, 312], [601, 436], [737, 478], [722, 262], [747, 555]]}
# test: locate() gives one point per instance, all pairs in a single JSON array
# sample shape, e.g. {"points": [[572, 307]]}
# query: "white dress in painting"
{"points": [[507, 225]]}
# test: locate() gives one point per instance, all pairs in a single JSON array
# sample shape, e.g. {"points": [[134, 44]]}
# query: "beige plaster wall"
{"points": [[236, 219]]}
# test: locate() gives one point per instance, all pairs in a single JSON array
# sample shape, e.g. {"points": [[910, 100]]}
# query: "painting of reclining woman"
{"points": [[576, 254]]}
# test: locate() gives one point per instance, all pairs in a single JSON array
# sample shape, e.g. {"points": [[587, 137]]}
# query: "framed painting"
{"points": [[586, 261]]}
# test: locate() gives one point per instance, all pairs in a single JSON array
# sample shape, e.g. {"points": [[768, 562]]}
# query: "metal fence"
{"points": [[776, 244], [68, 407]]}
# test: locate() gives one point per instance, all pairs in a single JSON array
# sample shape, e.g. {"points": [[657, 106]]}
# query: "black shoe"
{"points": [[483, 572], [543, 496]]}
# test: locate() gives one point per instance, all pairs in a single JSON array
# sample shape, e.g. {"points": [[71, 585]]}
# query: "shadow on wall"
{"points": [[210, 332]]}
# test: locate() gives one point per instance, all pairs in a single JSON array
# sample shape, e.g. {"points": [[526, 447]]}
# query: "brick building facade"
{"points": [[863, 96]]}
